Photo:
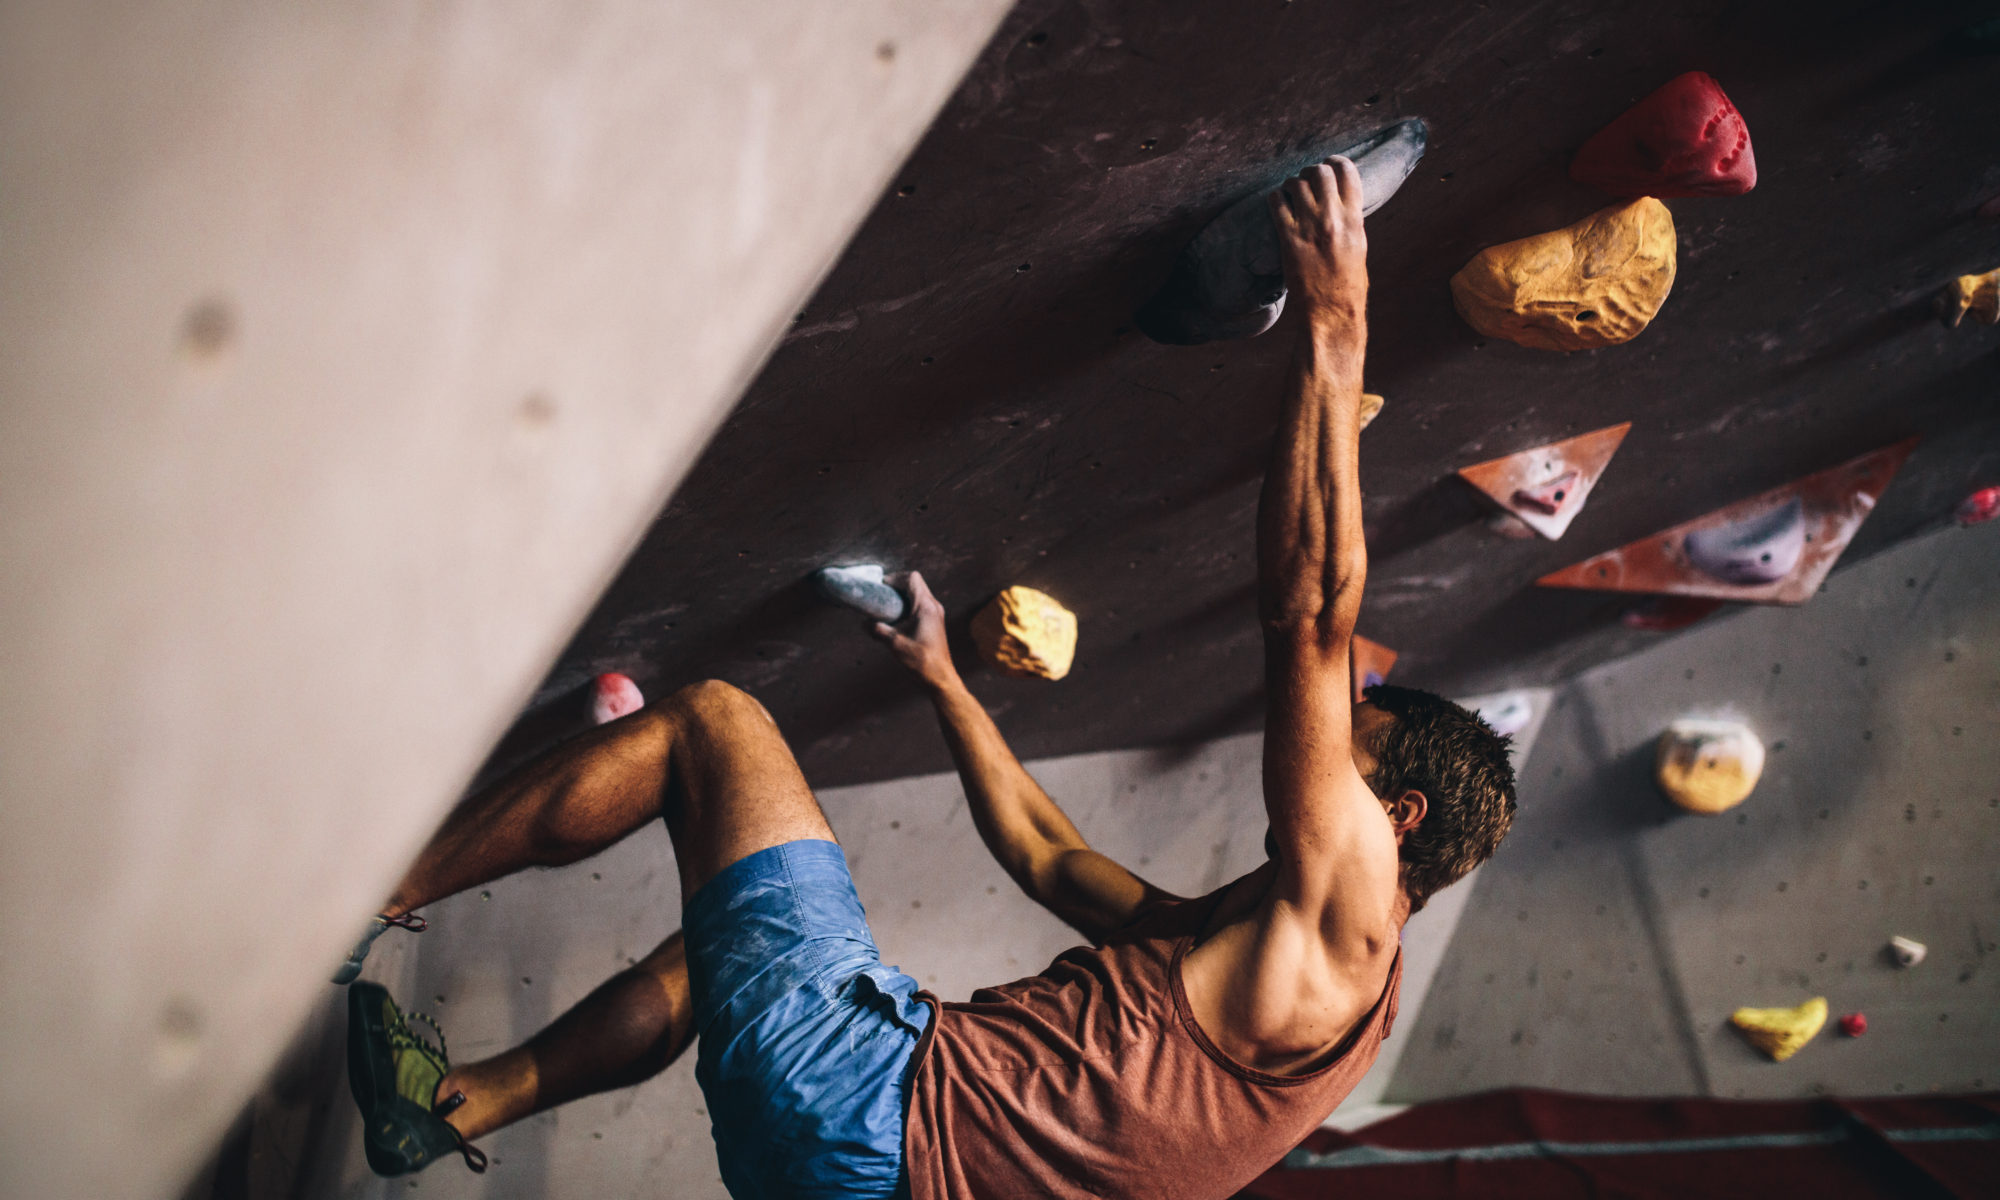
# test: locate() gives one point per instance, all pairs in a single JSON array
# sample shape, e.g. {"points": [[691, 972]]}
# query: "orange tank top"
{"points": [[1092, 1079]]}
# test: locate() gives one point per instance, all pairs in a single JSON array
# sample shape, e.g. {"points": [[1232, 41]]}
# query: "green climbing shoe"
{"points": [[394, 1075]]}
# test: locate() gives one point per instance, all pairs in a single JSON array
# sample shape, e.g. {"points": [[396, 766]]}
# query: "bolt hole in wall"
{"points": [[208, 330]]}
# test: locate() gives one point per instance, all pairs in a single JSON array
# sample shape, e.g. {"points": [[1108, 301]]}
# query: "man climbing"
{"points": [[1182, 1053]]}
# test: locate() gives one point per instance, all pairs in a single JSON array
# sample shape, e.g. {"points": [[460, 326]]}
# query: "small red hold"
{"points": [[1685, 139], [1854, 1024], [612, 696], [1663, 614], [1549, 497], [1980, 507]]}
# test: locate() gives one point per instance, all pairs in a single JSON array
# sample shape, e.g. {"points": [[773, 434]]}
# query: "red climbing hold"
{"points": [[1854, 1024], [1686, 139], [1543, 488], [612, 696], [1980, 507], [1762, 550], [1663, 614]]}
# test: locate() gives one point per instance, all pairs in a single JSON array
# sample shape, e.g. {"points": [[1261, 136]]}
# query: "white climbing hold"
{"points": [[1906, 952], [1758, 549], [1508, 713], [862, 588]]}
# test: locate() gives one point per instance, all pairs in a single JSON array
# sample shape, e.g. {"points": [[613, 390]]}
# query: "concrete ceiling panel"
{"points": [[346, 350]]}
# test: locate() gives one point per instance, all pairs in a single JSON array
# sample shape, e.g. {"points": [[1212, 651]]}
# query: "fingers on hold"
{"points": [[1281, 210], [1349, 178], [1320, 178], [882, 631], [1299, 198]]}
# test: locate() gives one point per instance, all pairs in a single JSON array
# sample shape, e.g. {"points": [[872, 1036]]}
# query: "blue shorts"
{"points": [[806, 1038]]}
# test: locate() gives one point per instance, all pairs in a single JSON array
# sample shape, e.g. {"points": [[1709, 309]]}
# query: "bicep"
{"points": [[1336, 850], [1308, 729]]}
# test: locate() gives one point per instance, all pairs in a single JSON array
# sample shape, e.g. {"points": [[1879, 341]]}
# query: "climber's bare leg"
{"points": [[624, 1033], [708, 759]]}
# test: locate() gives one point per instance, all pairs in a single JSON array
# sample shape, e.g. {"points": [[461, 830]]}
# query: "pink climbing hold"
{"points": [[1980, 507], [612, 696], [1685, 139], [1548, 498], [1854, 1024]]}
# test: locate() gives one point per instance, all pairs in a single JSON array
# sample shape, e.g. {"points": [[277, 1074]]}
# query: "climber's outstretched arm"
{"points": [[1028, 834], [1337, 858]]}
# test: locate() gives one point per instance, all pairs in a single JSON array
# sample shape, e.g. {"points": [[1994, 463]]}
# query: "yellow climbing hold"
{"points": [[1976, 294], [1025, 632], [1371, 407], [1708, 766], [1596, 283], [1779, 1032]]}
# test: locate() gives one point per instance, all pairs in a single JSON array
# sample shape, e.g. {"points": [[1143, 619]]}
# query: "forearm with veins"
{"points": [[1311, 558]]}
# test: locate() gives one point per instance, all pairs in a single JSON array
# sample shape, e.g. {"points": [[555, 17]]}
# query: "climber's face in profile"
{"points": [[1370, 723]]}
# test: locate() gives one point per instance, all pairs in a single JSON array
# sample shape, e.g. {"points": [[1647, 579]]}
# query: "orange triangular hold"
{"points": [[1774, 548], [1369, 663], [1546, 486]]}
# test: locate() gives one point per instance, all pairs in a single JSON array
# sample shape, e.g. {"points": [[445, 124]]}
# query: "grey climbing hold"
{"points": [[1757, 549], [861, 588], [350, 970], [1507, 713], [1230, 280], [378, 925]]}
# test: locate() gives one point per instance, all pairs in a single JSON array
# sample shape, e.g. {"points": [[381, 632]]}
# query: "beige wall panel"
{"points": [[344, 349]]}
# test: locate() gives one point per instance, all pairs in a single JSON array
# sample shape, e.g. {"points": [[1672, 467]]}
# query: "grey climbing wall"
{"points": [[1608, 941]]}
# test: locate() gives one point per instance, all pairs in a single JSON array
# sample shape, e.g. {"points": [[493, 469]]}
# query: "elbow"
{"points": [[1347, 574], [1340, 600], [1324, 620], [1318, 598], [1335, 627]]}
